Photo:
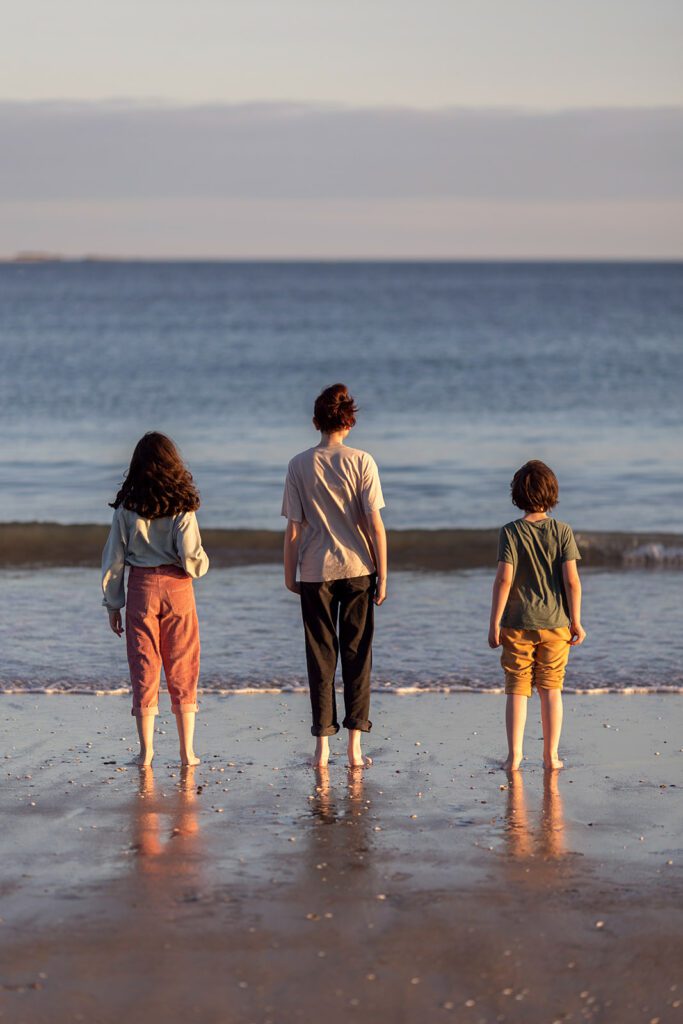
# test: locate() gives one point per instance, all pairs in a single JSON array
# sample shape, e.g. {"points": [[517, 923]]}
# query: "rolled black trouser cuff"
{"points": [[362, 724], [329, 730]]}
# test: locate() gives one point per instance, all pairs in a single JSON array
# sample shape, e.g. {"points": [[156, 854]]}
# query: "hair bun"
{"points": [[335, 409]]}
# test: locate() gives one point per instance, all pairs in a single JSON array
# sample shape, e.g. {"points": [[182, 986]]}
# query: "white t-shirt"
{"points": [[330, 490]]}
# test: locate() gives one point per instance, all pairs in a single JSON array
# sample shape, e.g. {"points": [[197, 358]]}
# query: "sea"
{"points": [[461, 371]]}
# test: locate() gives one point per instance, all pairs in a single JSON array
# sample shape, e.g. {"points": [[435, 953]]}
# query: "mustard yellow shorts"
{"points": [[534, 657]]}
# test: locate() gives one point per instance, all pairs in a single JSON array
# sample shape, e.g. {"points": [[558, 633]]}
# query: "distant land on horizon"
{"points": [[29, 258]]}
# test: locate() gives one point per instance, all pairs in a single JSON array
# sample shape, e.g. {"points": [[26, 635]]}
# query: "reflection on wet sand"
{"points": [[165, 827], [341, 837], [546, 837]]}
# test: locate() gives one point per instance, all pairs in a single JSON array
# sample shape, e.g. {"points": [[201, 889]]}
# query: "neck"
{"points": [[535, 516], [329, 439]]}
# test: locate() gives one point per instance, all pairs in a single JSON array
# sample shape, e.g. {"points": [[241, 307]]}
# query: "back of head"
{"points": [[534, 487], [334, 409], [158, 482]]}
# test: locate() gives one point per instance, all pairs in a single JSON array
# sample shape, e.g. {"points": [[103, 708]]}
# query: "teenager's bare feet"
{"points": [[354, 752], [552, 763], [363, 762], [511, 764], [144, 758], [188, 759], [322, 753]]}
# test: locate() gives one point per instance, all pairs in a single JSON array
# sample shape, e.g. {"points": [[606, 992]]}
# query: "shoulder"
{"points": [[181, 520], [302, 459], [510, 528], [564, 529], [365, 459]]}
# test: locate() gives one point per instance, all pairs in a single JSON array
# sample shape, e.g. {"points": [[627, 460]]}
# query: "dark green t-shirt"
{"points": [[536, 551]]}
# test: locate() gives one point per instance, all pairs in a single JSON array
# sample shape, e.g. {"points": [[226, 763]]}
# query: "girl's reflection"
{"points": [[165, 826]]}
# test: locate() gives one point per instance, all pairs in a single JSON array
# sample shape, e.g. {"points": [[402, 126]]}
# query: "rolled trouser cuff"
{"points": [[327, 730], [144, 712], [183, 709], [362, 724]]}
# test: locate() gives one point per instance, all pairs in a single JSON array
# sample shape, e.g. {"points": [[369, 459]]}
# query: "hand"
{"points": [[380, 594], [494, 636], [578, 634], [115, 622], [293, 586]]}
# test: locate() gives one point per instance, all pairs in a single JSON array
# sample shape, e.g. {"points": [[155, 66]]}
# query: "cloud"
{"points": [[137, 151]]}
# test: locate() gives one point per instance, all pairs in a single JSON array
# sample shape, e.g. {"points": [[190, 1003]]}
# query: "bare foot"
{"points": [[322, 753], [553, 763], [359, 761], [144, 758], [189, 760], [511, 764]]}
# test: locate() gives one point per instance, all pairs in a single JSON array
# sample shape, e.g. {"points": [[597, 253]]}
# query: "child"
{"points": [[155, 532], [535, 609], [332, 503]]}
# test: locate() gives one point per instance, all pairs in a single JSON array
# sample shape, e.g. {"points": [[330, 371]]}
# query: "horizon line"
{"points": [[36, 257]]}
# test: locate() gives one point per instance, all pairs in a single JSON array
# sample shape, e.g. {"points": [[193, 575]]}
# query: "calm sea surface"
{"points": [[462, 372]]}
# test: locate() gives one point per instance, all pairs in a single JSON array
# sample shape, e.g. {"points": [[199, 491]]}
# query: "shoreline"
{"points": [[393, 691]]}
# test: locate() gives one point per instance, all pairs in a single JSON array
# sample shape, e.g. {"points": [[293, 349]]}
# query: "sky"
{"points": [[371, 128]]}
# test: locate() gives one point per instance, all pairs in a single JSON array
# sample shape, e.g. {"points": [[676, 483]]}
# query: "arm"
{"points": [[572, 588], [113, 569], [291, 555], [188, 544], [501, 591], [378, 537]]}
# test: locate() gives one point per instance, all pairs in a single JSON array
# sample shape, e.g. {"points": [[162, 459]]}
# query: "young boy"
{"points": [[535, 609]]}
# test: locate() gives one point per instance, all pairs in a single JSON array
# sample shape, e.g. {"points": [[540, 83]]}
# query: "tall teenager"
{"points": [[336, 539]]}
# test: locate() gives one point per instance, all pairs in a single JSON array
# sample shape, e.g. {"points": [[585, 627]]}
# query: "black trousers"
{"points": [[339, 620]]}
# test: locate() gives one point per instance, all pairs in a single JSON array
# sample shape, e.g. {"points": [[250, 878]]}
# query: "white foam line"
{"points": [[396, 691]]}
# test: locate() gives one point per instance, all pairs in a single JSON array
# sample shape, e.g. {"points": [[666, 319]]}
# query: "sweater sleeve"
{"points": [[113, 565], [188, 543]]}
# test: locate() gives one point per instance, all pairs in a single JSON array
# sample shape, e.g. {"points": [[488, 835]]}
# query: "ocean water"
{"points": [[462, 372], [431, 634]]}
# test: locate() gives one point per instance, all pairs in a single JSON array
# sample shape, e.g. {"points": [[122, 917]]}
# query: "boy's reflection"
{"points": [[546, 839]]}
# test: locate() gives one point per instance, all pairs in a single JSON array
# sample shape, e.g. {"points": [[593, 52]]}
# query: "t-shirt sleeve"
{"points": [[291, 500], [568, 546], [371, 496], [114, 565], [188, 544], [505, 550]]}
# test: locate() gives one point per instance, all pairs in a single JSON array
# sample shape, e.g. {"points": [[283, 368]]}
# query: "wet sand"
{"points": [[428, 888]]}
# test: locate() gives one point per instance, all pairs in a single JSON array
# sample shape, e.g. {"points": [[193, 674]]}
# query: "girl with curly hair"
{"points": [[154, 531]]}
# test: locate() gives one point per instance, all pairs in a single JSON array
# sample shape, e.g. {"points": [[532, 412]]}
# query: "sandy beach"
{"points": [[428, 888]]}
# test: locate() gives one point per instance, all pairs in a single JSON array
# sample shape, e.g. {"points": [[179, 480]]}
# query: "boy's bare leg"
{"points": [[515, 720], [184, 721], [551, 717], [145, 724], [322, 752], [355, 754]]}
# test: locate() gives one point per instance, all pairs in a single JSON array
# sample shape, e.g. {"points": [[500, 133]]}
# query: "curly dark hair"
{"points": [[534, 487], [158, 483], [334, 409]]}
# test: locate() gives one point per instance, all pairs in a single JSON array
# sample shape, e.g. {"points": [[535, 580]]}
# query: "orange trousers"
{"points": [[162, 629]]}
